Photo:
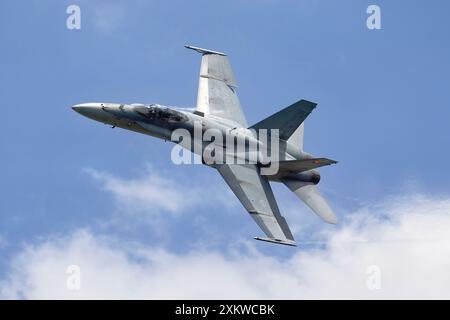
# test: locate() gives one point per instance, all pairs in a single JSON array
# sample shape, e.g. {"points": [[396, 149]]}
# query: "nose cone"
{"points": [[85, 108], [76, 108], [94, 111]]}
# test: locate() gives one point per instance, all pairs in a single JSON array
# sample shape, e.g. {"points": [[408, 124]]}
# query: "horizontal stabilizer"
{"points": [[284, 242], [305, 164], [311, 196], [288, 119]]}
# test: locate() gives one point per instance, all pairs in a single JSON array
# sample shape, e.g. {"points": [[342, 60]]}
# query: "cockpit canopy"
{"points": [[157, 112]]}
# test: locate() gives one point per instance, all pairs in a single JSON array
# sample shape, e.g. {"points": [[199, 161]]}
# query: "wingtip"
{"points": [[204, 51], [291, 243]]}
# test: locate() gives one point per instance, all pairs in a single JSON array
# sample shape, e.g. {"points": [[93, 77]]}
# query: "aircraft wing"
{"points": [[217, 88], [255, 194]]}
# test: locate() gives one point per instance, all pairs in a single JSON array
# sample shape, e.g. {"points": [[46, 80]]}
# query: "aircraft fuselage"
{"points": [[160, 121]]}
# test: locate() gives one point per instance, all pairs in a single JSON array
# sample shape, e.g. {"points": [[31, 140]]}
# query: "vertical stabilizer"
{"points": [[288, 121], [297, 137]]}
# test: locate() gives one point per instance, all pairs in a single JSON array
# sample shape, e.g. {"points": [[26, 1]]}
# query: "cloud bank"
{"points": [[405, 239]]}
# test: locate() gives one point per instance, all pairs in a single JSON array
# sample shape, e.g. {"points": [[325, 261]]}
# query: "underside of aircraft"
{"points": [[218, 107]]}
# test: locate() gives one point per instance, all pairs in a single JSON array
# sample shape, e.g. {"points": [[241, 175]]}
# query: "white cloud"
{"points": [[153, 199], [407, 238], [148, 192]]}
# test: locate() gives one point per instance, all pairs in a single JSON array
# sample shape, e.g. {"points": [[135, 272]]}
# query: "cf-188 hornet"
{"points": [[218, 110]]}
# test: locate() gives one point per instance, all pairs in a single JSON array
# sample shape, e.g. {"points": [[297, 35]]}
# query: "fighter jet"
{"points": [[218, 108]]}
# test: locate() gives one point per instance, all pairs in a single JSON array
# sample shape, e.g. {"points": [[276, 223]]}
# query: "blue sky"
{"points": [[383, 111]]}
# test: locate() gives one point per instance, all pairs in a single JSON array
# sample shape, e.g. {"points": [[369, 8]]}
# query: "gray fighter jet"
{"points": [[218, 108]]}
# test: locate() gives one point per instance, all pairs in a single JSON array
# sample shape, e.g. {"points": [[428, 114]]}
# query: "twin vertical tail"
{"points": [[290, 123]]}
